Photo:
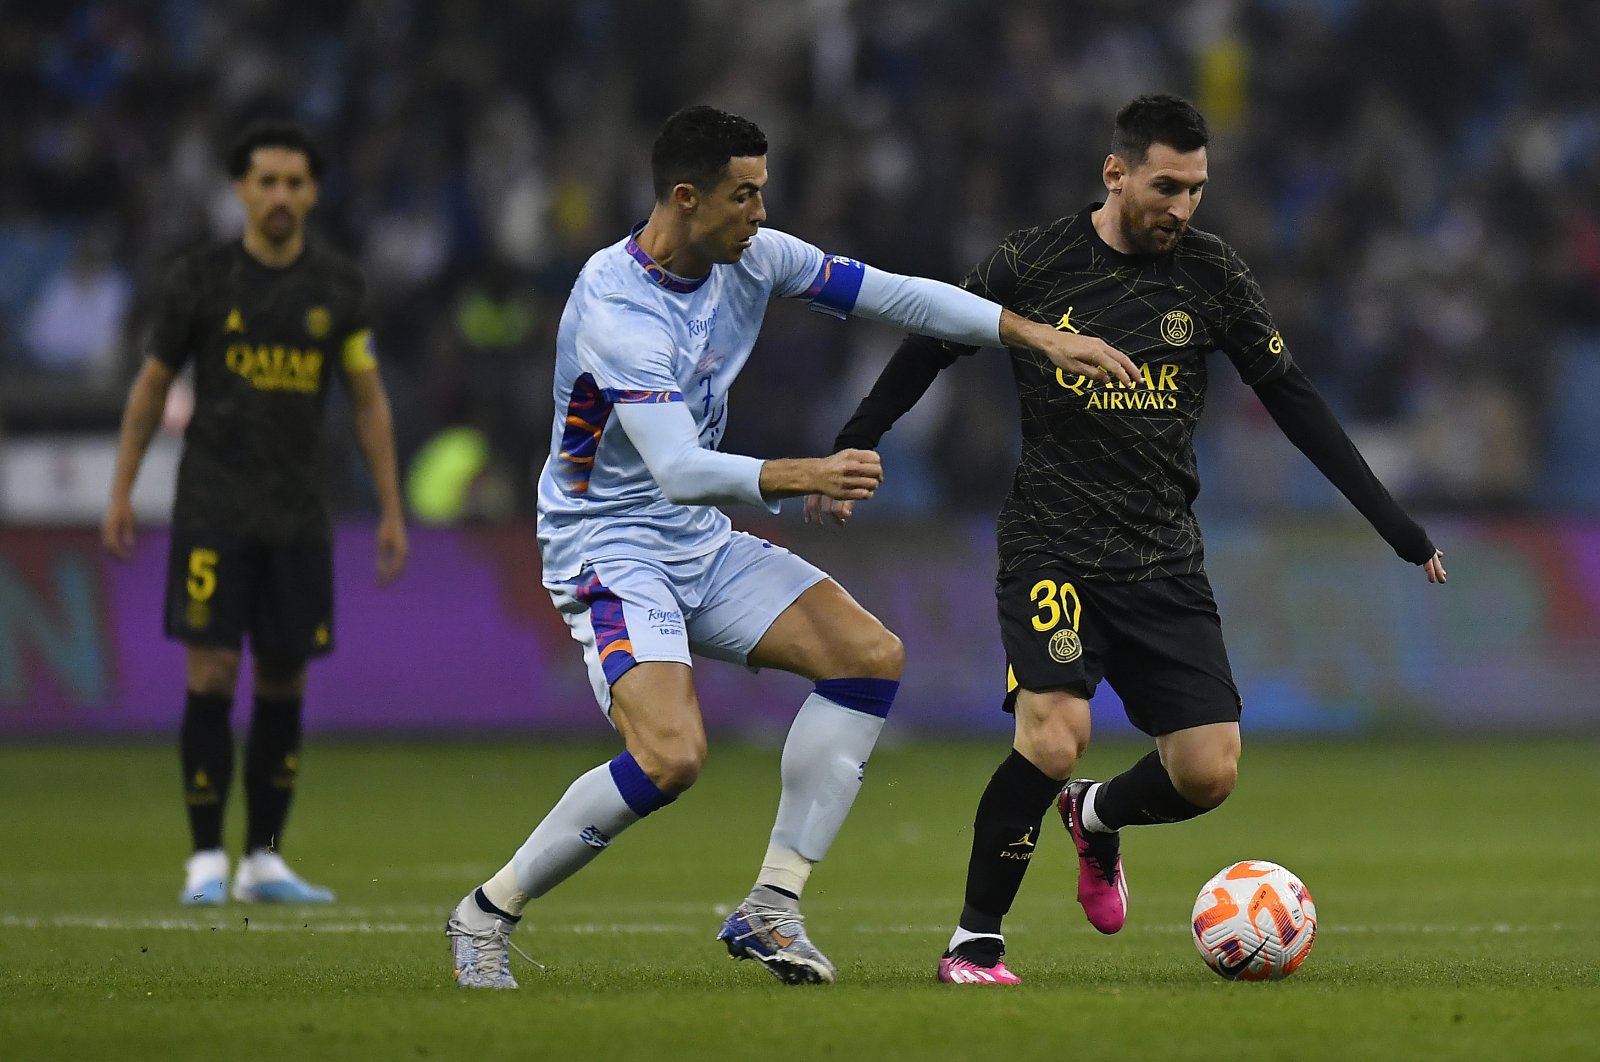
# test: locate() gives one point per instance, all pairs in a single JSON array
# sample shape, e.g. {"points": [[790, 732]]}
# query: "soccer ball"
{"points": [[1254, 921]]}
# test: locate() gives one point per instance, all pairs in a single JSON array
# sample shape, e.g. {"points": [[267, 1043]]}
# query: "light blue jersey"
{"points": [[635, 340], [633, 333]]}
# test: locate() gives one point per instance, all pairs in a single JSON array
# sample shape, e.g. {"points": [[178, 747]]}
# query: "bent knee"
{"points": [[1207, 787], [675, 766], [879, 655]]}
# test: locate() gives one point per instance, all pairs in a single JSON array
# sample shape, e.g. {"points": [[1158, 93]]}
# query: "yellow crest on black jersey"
{"points": [[318, 321], [1176, 327]]}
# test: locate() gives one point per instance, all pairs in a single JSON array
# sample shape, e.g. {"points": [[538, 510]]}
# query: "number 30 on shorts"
{"points": [[1057, 602]]}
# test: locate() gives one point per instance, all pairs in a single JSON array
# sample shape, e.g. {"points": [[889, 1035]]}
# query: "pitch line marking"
{"points": [[241, 923]]}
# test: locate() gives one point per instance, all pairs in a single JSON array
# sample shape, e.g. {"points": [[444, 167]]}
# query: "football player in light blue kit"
{"points": [[646, 570]]}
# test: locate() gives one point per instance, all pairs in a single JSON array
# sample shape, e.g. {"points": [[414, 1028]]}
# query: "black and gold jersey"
{"points": [[265, 344], [1107, 473]]}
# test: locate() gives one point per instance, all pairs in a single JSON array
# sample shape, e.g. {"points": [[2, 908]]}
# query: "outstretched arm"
{"points": [[1303, 415], [944, 311]]}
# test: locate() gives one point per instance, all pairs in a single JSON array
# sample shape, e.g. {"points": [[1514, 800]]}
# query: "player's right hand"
{"points": [[116, 529], [849, 475], [819, 508]]}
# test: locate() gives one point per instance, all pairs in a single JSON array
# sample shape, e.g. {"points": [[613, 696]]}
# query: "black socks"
{"points": [[1141, 796], [1004, 833], [205, 751], [272, 763]]}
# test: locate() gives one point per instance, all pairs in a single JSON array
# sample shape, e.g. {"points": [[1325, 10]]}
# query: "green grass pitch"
{"points": [[1458, 887]]}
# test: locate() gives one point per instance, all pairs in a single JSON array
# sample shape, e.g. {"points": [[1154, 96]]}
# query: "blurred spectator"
{"points": [[1414, 184], [76, 324]]}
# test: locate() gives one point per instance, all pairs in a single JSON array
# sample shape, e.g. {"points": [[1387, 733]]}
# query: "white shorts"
{"points": [[624, 610]]}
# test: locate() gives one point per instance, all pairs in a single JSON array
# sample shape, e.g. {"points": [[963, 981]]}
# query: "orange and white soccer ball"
{"points": [[1254, 921]]}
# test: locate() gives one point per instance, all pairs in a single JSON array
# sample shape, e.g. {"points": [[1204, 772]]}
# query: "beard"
{"points": [[278, 226], [1152, 239]]}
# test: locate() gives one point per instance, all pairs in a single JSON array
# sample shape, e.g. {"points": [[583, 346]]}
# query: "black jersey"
{"points": [[264, 343], [1107, 473]]}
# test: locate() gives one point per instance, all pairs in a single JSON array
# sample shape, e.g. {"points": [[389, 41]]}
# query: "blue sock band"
{"points": [[636, 787], [870, 695], [488, 908]]}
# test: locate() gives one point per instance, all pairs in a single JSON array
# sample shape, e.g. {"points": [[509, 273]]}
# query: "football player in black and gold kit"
{"points": [[1101, 566], [269, 323]]}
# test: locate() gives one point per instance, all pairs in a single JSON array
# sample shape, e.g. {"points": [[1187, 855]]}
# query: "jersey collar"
{"points": [[654, 271]]}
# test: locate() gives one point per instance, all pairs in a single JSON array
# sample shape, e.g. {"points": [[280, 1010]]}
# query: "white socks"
{"points": [[584, 821], [824, 759]]}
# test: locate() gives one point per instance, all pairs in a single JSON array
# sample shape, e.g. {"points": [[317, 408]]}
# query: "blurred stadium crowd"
{"points": [[1416, 185]]}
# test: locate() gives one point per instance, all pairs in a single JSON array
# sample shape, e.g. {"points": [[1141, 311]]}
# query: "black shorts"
{"points": [[1158, 643], [222, 586]]}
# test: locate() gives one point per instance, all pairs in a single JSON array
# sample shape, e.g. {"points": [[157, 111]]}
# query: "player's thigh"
{"points": [[211, 583], [654, 708], [763, 606], [623, 612], [291, 616], [826, 634], [1168, 663]]}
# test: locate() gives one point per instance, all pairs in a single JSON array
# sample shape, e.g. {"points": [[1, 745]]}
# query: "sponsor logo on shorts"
{"points": [[592, 837], [668, 622], [1065, 646]]}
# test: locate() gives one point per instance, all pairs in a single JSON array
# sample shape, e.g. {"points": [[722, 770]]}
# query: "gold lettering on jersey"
{"points": [[1130, 401], [1154, 390], [318, 321], [1176, 327], [1275, 344], [235, 322], [277, 368]]}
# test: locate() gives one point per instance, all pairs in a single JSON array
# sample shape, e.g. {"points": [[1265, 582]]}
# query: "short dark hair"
{"points": [[695, 144], [273, 134], [1158, 118]]}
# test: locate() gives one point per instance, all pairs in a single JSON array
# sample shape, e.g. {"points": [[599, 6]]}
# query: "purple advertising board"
{"points": [[1328, 632]]}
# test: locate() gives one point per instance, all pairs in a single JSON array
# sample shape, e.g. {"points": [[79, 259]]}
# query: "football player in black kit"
{"points": [[268, 322], [1101, 568]]}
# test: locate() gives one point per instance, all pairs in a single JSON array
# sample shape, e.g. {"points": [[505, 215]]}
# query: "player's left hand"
{"points": [[819, 507], [1435, 567], [392, 549]]}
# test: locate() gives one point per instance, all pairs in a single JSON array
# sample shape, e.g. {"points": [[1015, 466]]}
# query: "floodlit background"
{"points": [[1416, 185]]}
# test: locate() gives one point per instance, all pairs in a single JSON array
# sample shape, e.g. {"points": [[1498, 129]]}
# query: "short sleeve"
{"points": [[172, 330], [789, 263], [629, 353], [355, 353], [1249, 337]]}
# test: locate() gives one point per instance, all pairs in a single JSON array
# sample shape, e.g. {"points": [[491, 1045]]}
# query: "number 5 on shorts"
{"points": [[202, 581]]}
